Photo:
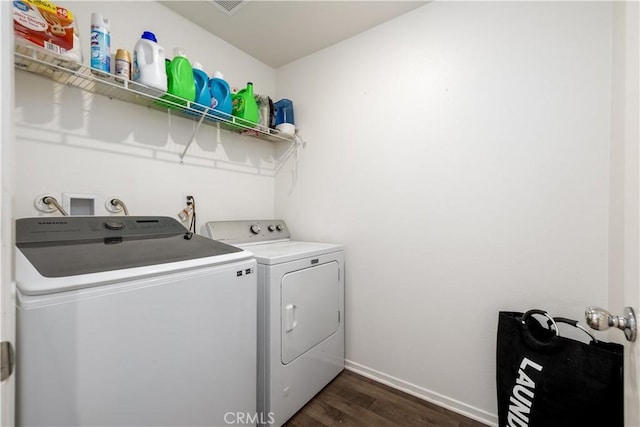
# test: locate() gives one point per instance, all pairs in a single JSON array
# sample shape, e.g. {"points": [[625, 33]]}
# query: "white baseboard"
{"points": [[422, 393]]}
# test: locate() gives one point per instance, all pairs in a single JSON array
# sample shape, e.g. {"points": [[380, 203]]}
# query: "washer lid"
{"points": [[279, 252], [71, 246]]}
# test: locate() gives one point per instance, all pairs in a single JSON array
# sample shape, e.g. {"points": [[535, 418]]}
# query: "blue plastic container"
{"points": [[284, 112], [220, 96], [203, 92]]}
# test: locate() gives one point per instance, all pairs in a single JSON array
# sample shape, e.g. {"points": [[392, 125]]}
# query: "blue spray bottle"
{"points": [[100, 45]]}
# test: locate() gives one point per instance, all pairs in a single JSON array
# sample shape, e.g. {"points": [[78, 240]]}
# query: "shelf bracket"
{"points": [[193, 135]]}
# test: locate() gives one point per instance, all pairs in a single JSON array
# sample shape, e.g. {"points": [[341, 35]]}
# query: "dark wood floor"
{"points": [[353, 400]]}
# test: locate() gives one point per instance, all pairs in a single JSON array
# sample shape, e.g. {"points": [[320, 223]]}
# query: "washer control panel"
{"points": [[75, 228], [247, 231]]}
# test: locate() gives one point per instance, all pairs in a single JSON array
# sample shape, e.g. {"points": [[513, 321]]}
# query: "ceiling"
{"points": [[279, 32]]}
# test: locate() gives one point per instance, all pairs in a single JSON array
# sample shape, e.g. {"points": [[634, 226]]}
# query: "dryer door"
{"points": [[310, 305]]}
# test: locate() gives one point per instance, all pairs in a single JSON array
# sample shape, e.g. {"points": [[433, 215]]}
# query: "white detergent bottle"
{"points": [[148, 62]]}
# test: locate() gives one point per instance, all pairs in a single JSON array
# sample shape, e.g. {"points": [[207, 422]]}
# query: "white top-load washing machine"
{"points": [[132, 321], [300, 313]]}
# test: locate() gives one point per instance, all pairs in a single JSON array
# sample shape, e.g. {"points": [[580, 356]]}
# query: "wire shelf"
{"points": [[41, 62]]}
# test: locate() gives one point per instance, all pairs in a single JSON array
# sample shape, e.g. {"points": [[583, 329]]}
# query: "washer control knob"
{"points": [[255, 229], [113, 225], [279, 227], [272, 228]]}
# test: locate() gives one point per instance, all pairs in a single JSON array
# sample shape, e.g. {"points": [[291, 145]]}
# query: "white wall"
{"points": [[461, 154], [70, 141]]}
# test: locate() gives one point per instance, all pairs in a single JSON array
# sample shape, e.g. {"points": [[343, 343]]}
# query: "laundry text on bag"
{"points": [[522, 395]]}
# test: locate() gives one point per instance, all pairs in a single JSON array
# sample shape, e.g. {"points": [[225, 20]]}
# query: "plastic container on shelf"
{"points": [[221, 101], [285, 121], [100, 45], [148, 62], [245, 107], [181, 87], [203, 91]]}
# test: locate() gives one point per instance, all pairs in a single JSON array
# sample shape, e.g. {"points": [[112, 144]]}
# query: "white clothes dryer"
{"points": [[300, 313]]}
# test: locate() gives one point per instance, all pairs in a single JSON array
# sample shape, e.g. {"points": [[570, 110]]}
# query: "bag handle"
{"points": [[573, 323], [550, 320], [553, 321]]}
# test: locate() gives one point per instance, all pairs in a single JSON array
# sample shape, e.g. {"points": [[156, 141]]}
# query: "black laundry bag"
{"points": [[546, 380]]}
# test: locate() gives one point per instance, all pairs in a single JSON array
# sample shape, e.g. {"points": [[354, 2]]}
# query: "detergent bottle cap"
{"points": [[218, 75], [148, 35], [197, 66], [178, 51]]}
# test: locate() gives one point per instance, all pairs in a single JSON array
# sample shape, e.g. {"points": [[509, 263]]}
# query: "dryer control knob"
{"points": [[113, 225], [255, 229], [272, 228], [279, 227]]}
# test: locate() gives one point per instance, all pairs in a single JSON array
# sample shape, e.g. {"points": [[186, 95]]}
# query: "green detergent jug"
{"points": [[180, 81], [245, 107]]}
